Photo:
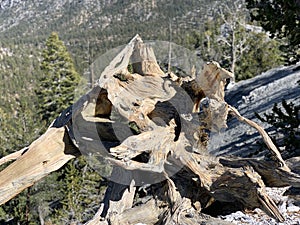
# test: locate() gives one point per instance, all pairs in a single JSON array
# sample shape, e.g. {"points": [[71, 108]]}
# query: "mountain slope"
{"points": [[87, 17], [88, 28]]}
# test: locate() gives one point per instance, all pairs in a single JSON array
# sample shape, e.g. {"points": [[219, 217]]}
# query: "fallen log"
{"points": [[152, 129]]}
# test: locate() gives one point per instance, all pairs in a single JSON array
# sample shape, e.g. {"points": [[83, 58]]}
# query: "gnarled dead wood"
{"points": [[152, 131], [45, 155], [272, 174], [264, 135]]}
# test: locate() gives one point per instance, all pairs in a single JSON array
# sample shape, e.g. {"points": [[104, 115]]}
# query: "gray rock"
{"points": [[259, 95]]}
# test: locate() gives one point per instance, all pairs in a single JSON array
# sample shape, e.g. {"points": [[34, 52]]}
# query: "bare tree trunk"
{"points": [[41, 217], [233, 54]]}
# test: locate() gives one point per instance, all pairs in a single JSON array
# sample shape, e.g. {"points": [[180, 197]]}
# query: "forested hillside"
{"points": [[214, 30], [88, 29], [97, 26], [218, 31]]}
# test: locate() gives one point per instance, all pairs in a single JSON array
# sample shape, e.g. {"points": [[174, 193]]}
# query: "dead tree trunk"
{"points": [[153, 131]]}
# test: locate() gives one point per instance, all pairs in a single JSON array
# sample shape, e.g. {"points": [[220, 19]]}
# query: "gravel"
{"points": [[287, 206]]}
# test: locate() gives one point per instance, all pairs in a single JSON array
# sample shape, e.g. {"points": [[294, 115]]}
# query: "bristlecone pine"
{"points": [[152, 128]]}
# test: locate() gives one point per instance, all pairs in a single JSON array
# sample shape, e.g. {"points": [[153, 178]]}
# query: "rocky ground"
{"points": [[259, 95], [289, 206]]}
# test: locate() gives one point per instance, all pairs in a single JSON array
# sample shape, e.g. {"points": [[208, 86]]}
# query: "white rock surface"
{"points": [[258, 94]]}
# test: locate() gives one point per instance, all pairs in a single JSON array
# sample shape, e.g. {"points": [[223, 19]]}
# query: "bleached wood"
{"points": [[45, 155], [13, 156], [264, 135], [170, 119]]}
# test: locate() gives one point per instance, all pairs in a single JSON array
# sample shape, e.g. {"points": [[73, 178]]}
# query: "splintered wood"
{"points": [[152, 128]]}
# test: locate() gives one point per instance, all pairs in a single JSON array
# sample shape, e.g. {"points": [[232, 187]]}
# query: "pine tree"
{"points": [[56, 87], [239, 45], [286, 120], [17, 131], [268, 12], [70, 198], [260, 55], [55, 93], [82, 190]]}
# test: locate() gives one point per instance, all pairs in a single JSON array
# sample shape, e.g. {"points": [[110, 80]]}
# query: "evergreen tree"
{"points": [[56, 87], [286, 120], [17, 131], [82, 190], [281, 18], [261, 54], [64, 202], [239, 45]]}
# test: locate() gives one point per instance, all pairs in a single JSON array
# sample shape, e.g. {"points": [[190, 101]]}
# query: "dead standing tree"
{"points": [[153, 131]]}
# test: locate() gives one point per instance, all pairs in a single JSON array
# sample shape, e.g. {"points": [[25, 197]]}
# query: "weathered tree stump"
{"points": [[153, 129]]}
